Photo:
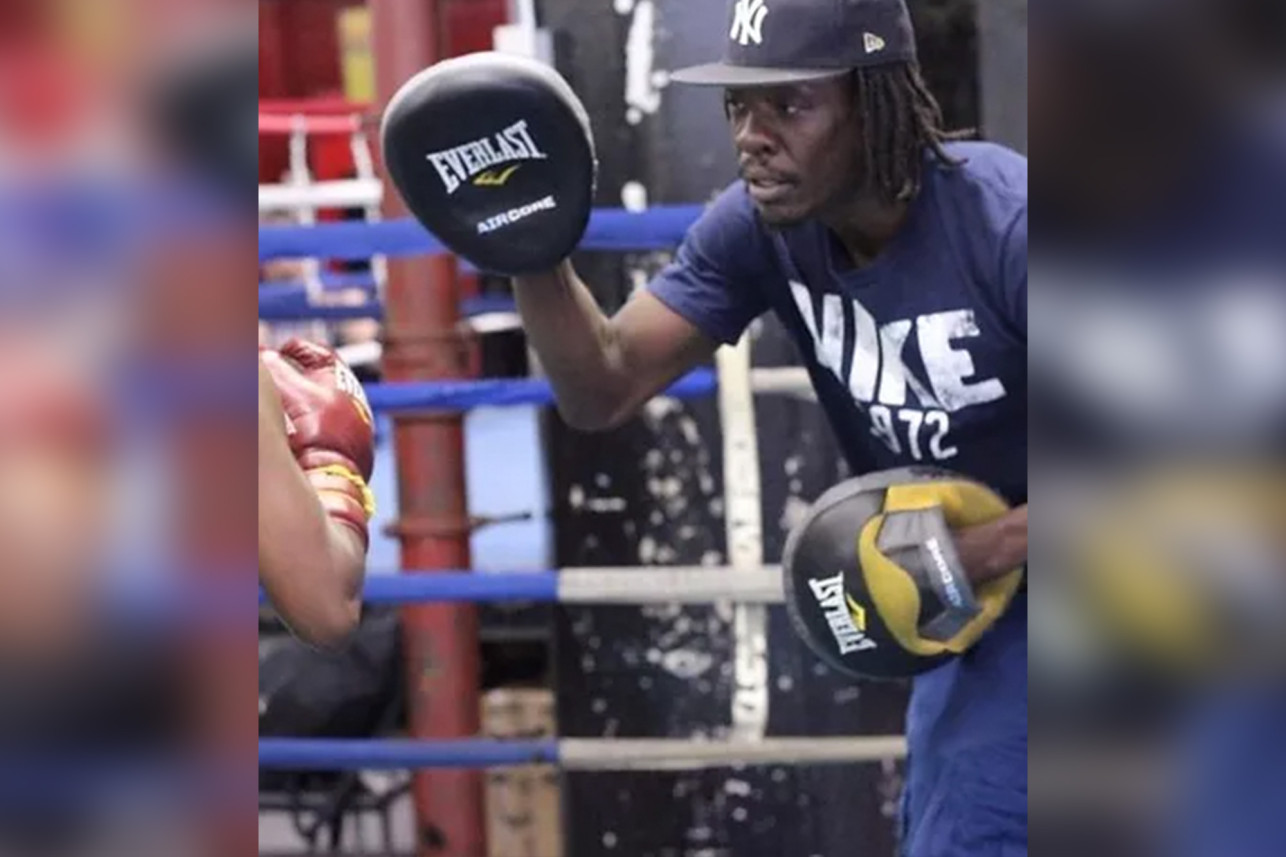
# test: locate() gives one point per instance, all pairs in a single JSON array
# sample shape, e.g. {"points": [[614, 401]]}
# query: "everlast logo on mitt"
{"points": [[830, 597], [474, 161]]}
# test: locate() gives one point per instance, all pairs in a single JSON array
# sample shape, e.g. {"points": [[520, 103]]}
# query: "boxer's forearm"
{"points": [[575, 343], [311, 566], [603, 370]]}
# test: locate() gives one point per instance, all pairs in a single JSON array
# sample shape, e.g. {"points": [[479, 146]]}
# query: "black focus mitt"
{"points": [[873, 582], [494, 154]]}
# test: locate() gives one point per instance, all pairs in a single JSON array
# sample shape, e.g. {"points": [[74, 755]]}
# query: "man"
{"points": [[896, 257], [316, 446]]}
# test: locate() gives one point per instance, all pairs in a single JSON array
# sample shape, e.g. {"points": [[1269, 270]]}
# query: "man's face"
{"points": [[797, 146]]}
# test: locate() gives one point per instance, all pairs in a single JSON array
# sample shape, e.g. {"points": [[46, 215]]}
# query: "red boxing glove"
{"points": [[331, 429]]}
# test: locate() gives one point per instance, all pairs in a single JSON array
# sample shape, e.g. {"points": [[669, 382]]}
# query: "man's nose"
{"points": [[753, 136]]}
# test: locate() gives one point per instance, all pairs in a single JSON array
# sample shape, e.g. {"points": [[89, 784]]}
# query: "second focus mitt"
{"points": [[873, 582], [494, 155]]}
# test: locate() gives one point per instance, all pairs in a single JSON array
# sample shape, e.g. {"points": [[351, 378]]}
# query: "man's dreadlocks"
{"points": [[900, 119]]}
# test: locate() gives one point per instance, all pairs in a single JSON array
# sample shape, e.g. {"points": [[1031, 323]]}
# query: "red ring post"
{"points": [[441, 639]]}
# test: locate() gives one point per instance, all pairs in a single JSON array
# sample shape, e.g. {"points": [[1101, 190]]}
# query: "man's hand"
{"points": [[991, 550], [330, 427]]}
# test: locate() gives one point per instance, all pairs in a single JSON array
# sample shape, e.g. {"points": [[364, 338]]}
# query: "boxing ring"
{"points": [[745, 585]]}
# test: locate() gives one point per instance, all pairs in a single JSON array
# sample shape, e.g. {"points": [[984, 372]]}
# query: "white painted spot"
{"points": [[738, 788], [602, 480], [690, 433], [654, 656], [647, 550], [739, 814], [796, 486], [793, 514], [641, 93], [847, 695], [686, 663], [785, 683], [661, 407], [576, 497], [599, 705], [609, 839], [778, 775], [653, 459], [639, 278], [606, 504], [793, 464], [671, 487], [623, 7], [712, 558], [634, 196]]}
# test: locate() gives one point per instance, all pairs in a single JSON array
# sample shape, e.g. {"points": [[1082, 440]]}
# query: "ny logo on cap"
{"points": [[748, 21]]}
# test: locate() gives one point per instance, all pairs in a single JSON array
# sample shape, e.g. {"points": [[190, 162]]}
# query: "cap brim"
{"points": [[722, 74]]}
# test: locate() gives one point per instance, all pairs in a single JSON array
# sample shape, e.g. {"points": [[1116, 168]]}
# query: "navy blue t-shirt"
{"points": [[918, 358]]}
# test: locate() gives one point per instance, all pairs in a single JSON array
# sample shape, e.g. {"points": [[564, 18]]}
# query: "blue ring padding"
{"points": [[312, 754], [464, 395], [614, 230], [458, 586]]}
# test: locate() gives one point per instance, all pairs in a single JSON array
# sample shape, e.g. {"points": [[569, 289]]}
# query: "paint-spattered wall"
{"points": [[652, 493]]}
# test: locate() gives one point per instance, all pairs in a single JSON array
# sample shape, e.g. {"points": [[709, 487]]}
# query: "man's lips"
{"points": [[764, 185], [763, 189]]}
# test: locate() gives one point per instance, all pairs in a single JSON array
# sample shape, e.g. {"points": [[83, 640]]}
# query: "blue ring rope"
{"points": [[289, 302], [458, 586], [610, 230], [464, 395], [300, 754]]}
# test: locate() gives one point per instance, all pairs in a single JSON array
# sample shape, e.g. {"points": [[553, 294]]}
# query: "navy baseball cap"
{"points": [[791, 41]]}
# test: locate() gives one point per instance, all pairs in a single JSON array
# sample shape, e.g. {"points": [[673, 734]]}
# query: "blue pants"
{"points": [[969, 804], [966, 789]]}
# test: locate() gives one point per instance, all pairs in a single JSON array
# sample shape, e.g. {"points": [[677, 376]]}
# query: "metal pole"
{"points": [[423, 343]]}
